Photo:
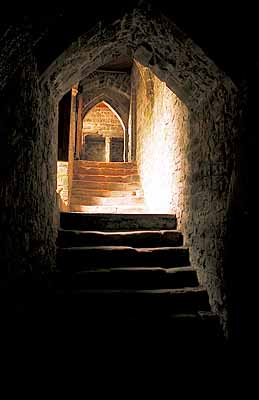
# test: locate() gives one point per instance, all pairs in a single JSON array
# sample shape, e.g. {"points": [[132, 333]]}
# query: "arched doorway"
{"points": [[102, 136], [211, 99]]}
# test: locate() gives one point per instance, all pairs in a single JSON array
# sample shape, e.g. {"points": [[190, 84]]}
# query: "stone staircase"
{"points": [[129, 276], [123, 297], [102, 187]]}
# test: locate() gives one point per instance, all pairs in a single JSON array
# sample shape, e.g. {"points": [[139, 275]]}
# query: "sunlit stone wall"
{"points": [[62, 185], [188, 166], [162, 127]]}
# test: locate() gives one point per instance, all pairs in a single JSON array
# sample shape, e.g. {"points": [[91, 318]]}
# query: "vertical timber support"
{"points": [[79, 127], [72, 134], [131, 147], [107, 149], [134, 124], [126, 145]]}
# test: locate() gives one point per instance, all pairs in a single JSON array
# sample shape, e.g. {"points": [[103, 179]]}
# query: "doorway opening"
{"points": [[102, 135], [205, 162], [149, 147]]}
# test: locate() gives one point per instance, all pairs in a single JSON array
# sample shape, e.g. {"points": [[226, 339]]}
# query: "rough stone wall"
{"points": [[159, 45], [162, 134], [102, 121], [191, 166], [62, 185], [27, 169], [118, 81], [211, 189], [27, 135]]}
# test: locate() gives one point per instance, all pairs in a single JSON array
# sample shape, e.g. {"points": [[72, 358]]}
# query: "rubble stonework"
{"points": [[28, 174], [29, 105]]}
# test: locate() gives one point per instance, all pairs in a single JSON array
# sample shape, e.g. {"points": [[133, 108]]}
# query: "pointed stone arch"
{"points": [[116, 108], [212, 102], [99, 80], [159, 45]]}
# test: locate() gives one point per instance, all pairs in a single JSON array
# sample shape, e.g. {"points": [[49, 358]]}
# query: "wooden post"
{"points": [[107, 148], [79, 127], [72, 133]]}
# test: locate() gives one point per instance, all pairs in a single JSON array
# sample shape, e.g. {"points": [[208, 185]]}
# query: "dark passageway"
{"points": [[138, 215]]}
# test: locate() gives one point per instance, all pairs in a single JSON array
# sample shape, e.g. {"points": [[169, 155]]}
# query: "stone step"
{"points": [[128, 278], [102, 164], [85, 170], [117, 222], [106, 178], [78, 184], [80, 208], [135, 303], [86, 258], [132, 317], [107, 193], [72, 238], [106, 201], [91, 170]]}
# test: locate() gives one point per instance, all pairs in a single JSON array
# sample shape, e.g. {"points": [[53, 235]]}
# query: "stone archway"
{"points": [[116, 81], [159, 45], [117, 106], [101, 123], [208, 145], [121, 115]]}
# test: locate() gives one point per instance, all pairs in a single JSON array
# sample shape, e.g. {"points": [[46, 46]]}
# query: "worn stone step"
{"points": [[106, 165], [117, 222], [128, 278], [80, 208], [80, 258], [77, 184], [107, 201], [117, 332], [46, 291], [116, 171], [161, 238], [135, 302], [141, 312], [172, 317], [106, 178], [103, 170], [107, 193]]}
